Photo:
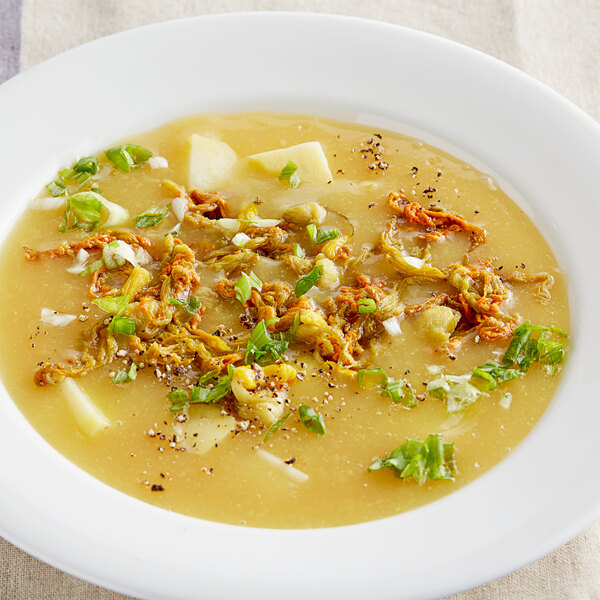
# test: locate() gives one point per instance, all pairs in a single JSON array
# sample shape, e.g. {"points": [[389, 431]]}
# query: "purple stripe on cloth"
{"points": [[10, 38]]}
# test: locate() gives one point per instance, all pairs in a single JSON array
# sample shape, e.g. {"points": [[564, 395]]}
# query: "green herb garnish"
{"points": [[210, 389], [319, 236], [265, 348], [288, 173], [308, 281], [124, 325], [455, 391], [87, 164], [311, 419], [493, 374], [114, 305], [366, 306], [125, 375], [243, 286], [128, 156], [192, 305], [299, 251], [276, 427], [399, 390], [151, 217], [57, 188], [82, 211], [98, 264], [431, 459]]}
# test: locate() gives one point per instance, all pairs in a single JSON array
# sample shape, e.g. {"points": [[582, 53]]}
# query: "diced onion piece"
{"points": [[290, 471], [179, 206], [258, 222], [229, 226], [392, 326], [505, 400], [52, 317], [116, 253], [414, 261], [90, 419], [50, 203], [158, 162], [240, 240], [175, 229], [79, 262], [142, 256], [434, 369]]}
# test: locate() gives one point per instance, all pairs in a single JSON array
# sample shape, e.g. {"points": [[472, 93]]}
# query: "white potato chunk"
{"points": [[210, 163], [89, 417], [295, 475], [308, 157], [204, 428]]}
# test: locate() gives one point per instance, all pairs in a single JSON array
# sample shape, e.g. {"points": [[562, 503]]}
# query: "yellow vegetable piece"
{"points": [[308, 157], [90, 419], [210, 163]]}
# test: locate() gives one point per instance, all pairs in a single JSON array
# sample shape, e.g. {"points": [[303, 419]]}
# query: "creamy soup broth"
{"points": [[233, 482]]}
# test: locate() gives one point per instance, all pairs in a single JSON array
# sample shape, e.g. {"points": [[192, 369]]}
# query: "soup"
{"points": [[244, 318]]}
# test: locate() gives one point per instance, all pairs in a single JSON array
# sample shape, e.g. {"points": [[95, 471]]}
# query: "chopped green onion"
{"points": [[115, 305], [243, 286], [125, 375], [455, 391], [377, 372], [276, 427], [308, 281], [128, 156], [112, 259], [192, 305], [299, 251], [264, 348], [82, 211], [494, 374], [319, 236], [151, 217], [87, 164], [431, 459], [98, 264], [366, 306], [288, 173], [57, 188], [179, 400], [210, 389], [124, 325], [399, 390], [311, 419]]}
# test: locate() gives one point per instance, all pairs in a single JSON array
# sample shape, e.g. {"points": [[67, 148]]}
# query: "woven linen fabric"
{"points": [[555, 41]]}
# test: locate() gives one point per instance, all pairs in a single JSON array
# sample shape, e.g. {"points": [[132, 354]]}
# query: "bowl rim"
{"points": [[516, 537]]}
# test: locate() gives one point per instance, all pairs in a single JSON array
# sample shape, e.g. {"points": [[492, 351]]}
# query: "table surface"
{"points": [[555, 41]]}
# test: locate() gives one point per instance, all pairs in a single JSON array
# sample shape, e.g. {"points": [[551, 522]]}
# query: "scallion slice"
{"points": [[308, 281], [311, 419], [151, 217], [276, 427], [366, 306], [319, 236], [192, 305], [128, 156], [243, 286], [124, 325], [288, 173], [125, 375]]}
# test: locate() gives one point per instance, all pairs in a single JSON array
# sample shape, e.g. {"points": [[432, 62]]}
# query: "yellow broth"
{"points": [[232, 483]]}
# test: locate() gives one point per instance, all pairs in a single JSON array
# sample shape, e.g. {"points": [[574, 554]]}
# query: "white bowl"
{"points": [[545, 151]]}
